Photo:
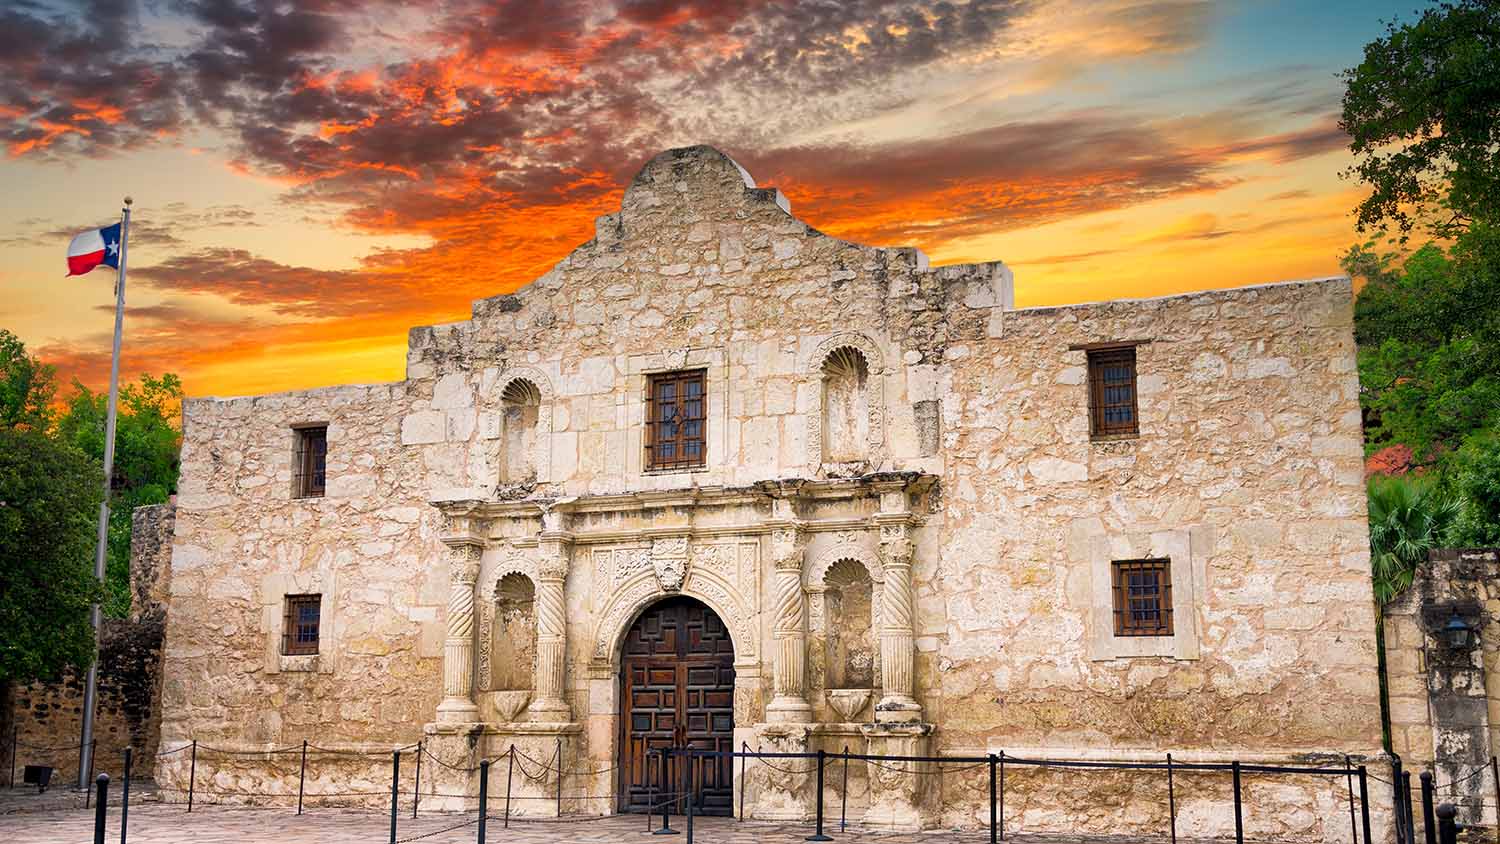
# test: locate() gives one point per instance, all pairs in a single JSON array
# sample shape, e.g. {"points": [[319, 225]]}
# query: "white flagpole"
{"points": [[101, 550]]}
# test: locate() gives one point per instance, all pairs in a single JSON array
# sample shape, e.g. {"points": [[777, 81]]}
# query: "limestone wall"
{"points": [[1246, 473]]}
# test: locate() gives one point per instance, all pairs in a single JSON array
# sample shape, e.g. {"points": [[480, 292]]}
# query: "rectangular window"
{"points": [[309, 465], [299, 631], [1112, 406], [675, 428], [1143, 597]]}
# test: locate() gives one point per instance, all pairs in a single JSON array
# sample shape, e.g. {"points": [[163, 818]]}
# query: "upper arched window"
{"points": [[846, 410]]}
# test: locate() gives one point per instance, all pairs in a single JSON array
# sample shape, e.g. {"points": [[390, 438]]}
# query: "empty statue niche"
{"points": [[513, 649], [849, 598], [520, 407], [846, 406]]}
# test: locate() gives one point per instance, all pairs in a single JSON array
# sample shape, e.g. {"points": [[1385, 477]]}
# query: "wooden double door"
{"points": [[677, 690]]}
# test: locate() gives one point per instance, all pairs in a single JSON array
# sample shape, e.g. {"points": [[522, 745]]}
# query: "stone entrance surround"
{"points": [[598, 561]]}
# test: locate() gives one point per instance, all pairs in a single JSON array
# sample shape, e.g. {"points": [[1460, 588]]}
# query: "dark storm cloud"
{"points": [[74, 81], [245, 279]]}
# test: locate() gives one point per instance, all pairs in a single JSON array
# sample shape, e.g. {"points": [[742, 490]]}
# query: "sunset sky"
{"points": [[312, 177]]}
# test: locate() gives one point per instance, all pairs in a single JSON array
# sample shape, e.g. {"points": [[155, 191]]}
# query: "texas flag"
{"points": [[95, 248]]}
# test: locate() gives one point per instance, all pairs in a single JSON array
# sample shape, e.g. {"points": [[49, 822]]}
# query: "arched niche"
{"points": [[513, 634], [520, 412], [846, 431], [851, 642]]}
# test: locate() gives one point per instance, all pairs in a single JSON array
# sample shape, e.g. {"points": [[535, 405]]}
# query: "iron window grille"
{"points": [[1112, 395], [299, 630], [1143, 597], [310, 463], [676, 436]]}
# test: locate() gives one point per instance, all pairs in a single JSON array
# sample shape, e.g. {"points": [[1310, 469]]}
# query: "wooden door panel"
{"points": [[678, 691]]}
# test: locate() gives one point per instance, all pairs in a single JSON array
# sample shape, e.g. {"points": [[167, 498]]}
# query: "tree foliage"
{"points": [[1422, 111], [1408, 518], [1429, 345], [147, 438], [27, 386], [49, 504]]}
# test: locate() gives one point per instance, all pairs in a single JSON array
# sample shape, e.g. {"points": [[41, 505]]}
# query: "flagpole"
{"points": [[101, 549]]}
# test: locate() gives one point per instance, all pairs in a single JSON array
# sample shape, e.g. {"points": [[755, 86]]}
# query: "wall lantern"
{"points": [[1457, 633]]}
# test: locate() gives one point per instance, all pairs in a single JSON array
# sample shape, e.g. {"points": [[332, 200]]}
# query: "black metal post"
{"points": [[1429, 822], [994, 826], [1447, 826], [559, 776], [1399, 807], [1002, 795], [416, 789], [395, 782], [101, 807], [1239, 813], [667, 798], [125, 797], [1411, 821], [844, 792], [510, 773], [1494, 773], [93, 754], [744, 760], [1172, 800], [484, 795], [818, 835], [192, 774], [650, 792], [15, 741], [1364, 801], [302, 776], [692, 774], [1349, 782]]}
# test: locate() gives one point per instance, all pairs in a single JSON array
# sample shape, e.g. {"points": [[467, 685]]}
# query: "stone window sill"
{"points": [[299, 662]]}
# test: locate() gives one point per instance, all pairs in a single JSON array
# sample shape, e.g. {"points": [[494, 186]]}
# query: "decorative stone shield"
{"points": [[669, 558]]}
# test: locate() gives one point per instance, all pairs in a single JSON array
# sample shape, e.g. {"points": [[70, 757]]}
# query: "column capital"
{"points": [[464, 561], [788, 542]]}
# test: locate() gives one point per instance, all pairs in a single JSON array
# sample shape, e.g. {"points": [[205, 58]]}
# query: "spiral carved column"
{"points": [[897, 654], [790, 631], [458, 647], [549, 704]]}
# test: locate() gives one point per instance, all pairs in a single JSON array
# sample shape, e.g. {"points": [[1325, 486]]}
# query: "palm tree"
{"points": [[1408, 518]]}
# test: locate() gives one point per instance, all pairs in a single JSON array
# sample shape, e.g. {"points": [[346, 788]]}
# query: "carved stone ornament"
{"points": [[669, 557], [675, 358]]}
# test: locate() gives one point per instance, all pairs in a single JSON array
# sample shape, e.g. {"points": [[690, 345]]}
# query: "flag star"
{"points": [[113, 246]]}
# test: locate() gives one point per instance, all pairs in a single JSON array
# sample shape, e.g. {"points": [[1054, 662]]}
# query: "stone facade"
{"points": [[1444, 708], [48, 715], [882, 437]]}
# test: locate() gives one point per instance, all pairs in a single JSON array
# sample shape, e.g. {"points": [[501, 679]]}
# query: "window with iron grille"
{"points": [[1143, 597], [310, 462], [675, 429], [1112, 405], [299, 630]]}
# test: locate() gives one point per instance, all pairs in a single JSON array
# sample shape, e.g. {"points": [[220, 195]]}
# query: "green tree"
{"points": [[1428, 329], [27, 386], [1408, 518], [147, 438], [1422, 111], [1478, 482]]}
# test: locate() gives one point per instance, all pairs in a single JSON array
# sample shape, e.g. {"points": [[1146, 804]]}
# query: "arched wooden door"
{"points": [[677, 690]]}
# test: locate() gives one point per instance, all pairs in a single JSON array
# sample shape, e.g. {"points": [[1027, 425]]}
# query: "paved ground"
{"points": [[158, 823]]}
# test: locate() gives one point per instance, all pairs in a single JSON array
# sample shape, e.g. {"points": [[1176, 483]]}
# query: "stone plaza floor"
{"points": [[67, 822]]}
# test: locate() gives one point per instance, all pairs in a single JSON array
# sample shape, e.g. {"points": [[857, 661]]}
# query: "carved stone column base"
{"points": [[771, 793], [785, 709], [898, 790], [457, 710], [549, 711], [897, 709]]}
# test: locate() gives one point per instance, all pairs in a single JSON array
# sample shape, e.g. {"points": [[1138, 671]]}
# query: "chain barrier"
{"points": [[437, 832]]}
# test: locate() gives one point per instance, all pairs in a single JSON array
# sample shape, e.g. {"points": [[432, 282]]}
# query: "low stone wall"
{"points": [[47, 716]]}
